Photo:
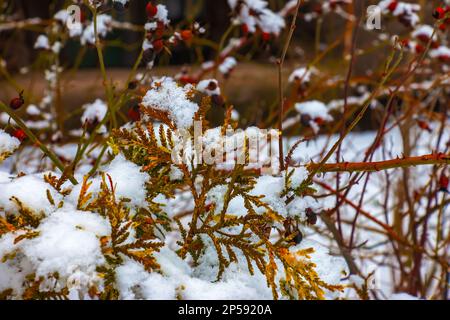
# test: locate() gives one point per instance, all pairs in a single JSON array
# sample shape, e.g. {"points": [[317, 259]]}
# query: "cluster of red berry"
{"points": [[441, 13], [155, 37], [15, 104]]}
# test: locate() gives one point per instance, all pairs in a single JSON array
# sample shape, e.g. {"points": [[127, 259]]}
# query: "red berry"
{"points": [[151, 10], [212, 85], [311, 216], [439, 13], [419, 48], [158, 45], [443, 183], [320, 121], [244, 29], [134, 114], [404, 43], [82, 16], [17, 102], [186, 35], [435, 45], [185, 79], [444, 58], [159, 32], [424, 125], [442, 26], [392, 6], [19, 134], [423, 37], [266, 36]]}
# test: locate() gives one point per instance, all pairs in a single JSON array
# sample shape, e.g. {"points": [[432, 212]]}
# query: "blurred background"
{"points": [[252, 87]]}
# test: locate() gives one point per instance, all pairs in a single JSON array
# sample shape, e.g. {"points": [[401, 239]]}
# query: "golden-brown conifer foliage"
{"points": [[151, 149]]}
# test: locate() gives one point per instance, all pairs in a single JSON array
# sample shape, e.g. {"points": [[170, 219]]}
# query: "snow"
{"points": [[235, 116], [68, 241], [33, 110], [297, 208], [315, 109], [214, 145], [129, 182], [162, 14], [103, 27], [42, 42], [175, 174], [150, 26], [271, 188], [301, 74], [146, 45], [209, 87], [441, 52], [179, 280], [94, 112], [12, 274], [8, 144], [267, 20], [340, 103], [330, 269], [31, 190], [135, 283], [403, 9], [298, 176], [227, 65], [56, 47], [423, 30], [168, 96], [61, 16]]}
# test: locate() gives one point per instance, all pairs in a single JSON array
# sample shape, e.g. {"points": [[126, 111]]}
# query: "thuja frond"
{"points": [[26, 217], [84, 196], [30, 234], [109, 292], [158, 115], [34, 292], [202, 111], [4, 156], [56, 183], [301, 279], [123, 224], [6, 294], [5, 226], [234, 236], [143, 148]]}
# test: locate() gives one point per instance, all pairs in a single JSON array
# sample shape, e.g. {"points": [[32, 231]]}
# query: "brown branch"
{"points": [[280, 63], [430, 159], [52, 156]]}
